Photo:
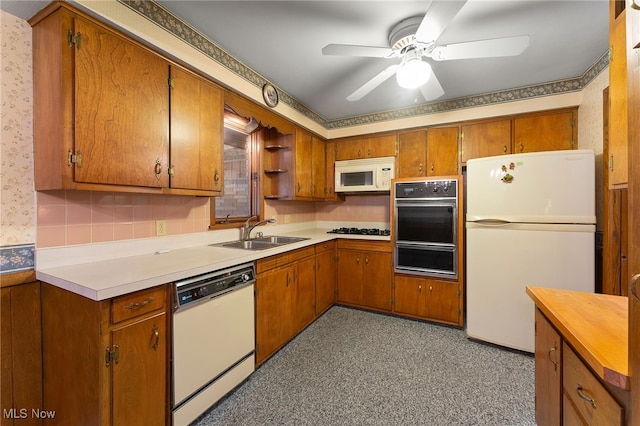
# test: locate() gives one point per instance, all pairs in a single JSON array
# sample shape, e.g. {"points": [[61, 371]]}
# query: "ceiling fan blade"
{"points": [[355, 50], [439, 15], [431, 89], [507, 46], [373, 83]]}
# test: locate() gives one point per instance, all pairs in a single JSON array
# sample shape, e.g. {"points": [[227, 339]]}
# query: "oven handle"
{"points": [[425, 246]]}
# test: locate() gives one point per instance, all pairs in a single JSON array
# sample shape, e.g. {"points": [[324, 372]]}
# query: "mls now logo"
{"points": [[23, 413]]}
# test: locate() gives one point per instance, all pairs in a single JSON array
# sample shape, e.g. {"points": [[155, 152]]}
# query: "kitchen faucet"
{"points": [[245, 230]]}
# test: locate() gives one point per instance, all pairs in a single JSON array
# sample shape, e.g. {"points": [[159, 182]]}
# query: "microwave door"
{"points": [[356, 180]]}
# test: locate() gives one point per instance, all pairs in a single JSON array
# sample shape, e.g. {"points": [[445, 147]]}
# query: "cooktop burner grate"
{"points": [[360, 231]]}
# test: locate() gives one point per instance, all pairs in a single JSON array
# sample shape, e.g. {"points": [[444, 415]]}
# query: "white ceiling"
{"points": [[282, 41]]}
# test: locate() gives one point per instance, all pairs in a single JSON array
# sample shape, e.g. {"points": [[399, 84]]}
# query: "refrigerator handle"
{"points": [[492, 222]]}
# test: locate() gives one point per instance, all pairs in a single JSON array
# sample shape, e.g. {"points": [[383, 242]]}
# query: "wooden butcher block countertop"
{"points": [[595, 325]]}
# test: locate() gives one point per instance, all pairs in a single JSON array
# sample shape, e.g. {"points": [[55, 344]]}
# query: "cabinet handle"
{"points": [[430, 289], [216, 177], [555, 363], [299, 186], [504, 148], [358, 260], [158, 168], [521, 147], [366, 260], [359, 154], [585, 397], [156, 334], [139, 304], [432, 166], [287, 279], [420, 288], [634, 285], [420, 168], [369, 152]]}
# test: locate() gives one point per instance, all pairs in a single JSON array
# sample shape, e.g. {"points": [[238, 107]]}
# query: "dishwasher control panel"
{"points": [[213, 284]]}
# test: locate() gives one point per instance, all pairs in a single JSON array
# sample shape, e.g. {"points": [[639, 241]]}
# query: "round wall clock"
{"points": [[270, 95]]}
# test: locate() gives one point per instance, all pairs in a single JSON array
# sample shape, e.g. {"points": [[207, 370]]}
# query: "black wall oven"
{"points": [[426, 228]]}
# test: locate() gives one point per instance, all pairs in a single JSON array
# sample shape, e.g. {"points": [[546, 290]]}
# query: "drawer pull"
{"points": [[585, 397], [555, 363], [634, 286], [156, 334], [139, 304]]}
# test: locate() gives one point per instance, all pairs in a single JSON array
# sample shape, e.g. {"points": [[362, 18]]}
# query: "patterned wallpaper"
{"points": [[17, 208]]}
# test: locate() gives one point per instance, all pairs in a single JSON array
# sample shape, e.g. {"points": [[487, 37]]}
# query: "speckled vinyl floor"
{"points": [[352, 367]]}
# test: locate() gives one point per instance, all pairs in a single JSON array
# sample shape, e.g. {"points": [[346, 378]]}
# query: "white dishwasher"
{"points": [[213, 339]]}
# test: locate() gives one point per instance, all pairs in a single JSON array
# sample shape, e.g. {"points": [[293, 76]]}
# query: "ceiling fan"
{"points": [[414, 39]]}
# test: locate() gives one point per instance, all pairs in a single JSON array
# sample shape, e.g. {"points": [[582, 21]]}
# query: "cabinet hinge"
{"points": [[74, 39], [393, 284], [393, 302], [111, 355], [74, 158], [171, 83]]}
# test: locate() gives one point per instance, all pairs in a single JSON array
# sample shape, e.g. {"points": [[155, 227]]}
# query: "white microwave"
{"points": [[365, 175]]}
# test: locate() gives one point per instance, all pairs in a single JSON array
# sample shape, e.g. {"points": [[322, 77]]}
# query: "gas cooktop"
{"points": [[360, 231]]}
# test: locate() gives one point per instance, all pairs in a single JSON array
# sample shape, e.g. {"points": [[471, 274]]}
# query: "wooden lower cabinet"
{"points": [[325, 276], [284, 299], [106, 362], [567, 392], [548, 372], [365, 270], [21, 354], [427, 298]]}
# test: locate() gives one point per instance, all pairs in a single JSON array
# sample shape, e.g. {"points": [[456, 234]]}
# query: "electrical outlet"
{"points": [[287, 218], [161, 227]]}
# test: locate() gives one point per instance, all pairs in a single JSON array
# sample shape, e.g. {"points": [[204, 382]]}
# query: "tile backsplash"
{"points": [[80, 217]]}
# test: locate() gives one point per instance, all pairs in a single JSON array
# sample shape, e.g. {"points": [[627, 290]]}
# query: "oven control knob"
{"points": [[445, 188]]}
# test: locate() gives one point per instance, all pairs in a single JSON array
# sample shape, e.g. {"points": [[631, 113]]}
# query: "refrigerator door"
{"points": [[537, 187], [503, 260]]}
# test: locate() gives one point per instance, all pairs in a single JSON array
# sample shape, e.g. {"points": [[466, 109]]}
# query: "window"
{"points": [[240, 174]]}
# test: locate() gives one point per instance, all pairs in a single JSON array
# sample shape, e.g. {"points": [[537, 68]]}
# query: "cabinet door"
{"points": [[303, 298], [303, 170], [318, 169], [139, 373], [350, 277], [197, 133], [412, 154], [273, 316], [485, 139], [554, 131], [325, 280], [548, 372], [330, 167], [376, 280], [618, 102], [410, 296], [443, 301], [121, 111], [381, 146], [442, 151], [349, 149]]}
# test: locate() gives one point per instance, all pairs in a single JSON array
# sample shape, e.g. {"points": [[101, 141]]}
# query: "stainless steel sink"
{"points": [[261, 243], [248, 245], [280, 239]]}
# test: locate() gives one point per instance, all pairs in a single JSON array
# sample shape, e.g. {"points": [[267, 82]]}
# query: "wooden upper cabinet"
{"points": [[485, 139], [367, 147], [412, 154], [442, 151], [617, 163], [121, 110], [197, 132], [318, 168], [545, 132], [102, 112], [303, 162]]}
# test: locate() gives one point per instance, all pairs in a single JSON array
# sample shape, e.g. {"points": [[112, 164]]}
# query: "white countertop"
{"points": [[103, 271]]}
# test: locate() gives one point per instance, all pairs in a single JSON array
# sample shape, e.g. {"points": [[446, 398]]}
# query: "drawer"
{"points": [[326, 246], [589, 397], [267, 263], [365, 245], [138, 303]]}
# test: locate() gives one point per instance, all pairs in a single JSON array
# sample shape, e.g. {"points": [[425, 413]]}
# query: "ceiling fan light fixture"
{"points": [[413, 72]]}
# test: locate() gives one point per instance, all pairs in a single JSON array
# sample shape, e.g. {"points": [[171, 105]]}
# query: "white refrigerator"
{"points": [[530, 222]]}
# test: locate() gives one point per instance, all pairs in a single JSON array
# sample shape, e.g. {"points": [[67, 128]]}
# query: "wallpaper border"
{"points": [[15, 258]]}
